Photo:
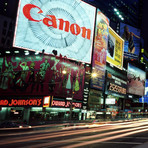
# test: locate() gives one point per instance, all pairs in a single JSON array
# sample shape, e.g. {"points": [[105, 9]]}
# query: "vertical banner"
{"points": [[144, 99], [115, 49], [94, 101], [100, 48]]}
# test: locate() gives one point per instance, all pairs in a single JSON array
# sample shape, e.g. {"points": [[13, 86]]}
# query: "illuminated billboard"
{"points": [[115, 85], [136, 80], [66, 26], [131, 36], [115, 49], [144, 99], [41, 75], [100, 50]]}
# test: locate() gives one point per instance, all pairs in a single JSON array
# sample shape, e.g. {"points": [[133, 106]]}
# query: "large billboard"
{"points": [[115, 85], [41, 75], [131, 36], [66, 26], [144, 99], [115, 49], [136, 80], [100, 50]]}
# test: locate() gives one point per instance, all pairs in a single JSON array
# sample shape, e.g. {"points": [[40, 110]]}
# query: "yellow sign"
{"points": [[47, 101], [115, 49]]}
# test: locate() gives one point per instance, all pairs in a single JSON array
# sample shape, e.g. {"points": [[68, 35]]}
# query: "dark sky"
{"points": [[144, 29]]}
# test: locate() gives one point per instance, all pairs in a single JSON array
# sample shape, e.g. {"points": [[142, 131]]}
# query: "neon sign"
{"points": [[116, 88], [20, 102], [66, 104]]}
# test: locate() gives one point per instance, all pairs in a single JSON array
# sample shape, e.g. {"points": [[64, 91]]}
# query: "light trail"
{"points": [[105, 139], [56, 143], [48, 135], [68, 133]]}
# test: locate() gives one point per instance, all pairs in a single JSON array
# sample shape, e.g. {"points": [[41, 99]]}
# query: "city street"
{"points": [[127, 134]]}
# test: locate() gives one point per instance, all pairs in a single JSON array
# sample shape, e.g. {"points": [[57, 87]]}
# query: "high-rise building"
{"points": [[129, 12]]}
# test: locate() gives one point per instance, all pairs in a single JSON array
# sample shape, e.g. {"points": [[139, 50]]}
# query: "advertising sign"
{"points": [[100, 50], [21, 102], [67, 104], [136, 80], [115, 49], [109, 101], [131, 38], [66, 26], [86, 87], [47, 101], [115, 85], [41, 75], [144, 99]]}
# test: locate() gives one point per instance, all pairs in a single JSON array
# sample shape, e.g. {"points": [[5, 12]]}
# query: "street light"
{"points": [[93, 75]]}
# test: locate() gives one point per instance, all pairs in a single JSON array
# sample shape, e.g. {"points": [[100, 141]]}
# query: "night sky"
{"points": [[144, 27]]}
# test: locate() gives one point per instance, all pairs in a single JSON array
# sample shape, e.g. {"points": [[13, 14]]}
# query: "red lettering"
{"points": [[26, 10], [61, 25], [84, 30], [52, 20], [75, 29], [39, 102], [14, 102], [31, 102], [3, 102]]}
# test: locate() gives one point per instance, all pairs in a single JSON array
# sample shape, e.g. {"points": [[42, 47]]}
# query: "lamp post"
{"points": [[92, 75]]}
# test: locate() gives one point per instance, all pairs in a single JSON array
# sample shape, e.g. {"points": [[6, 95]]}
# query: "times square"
{"points": [[68, 66]]}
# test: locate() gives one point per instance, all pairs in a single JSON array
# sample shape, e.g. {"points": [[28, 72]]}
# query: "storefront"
{"points": [[94, 104], [115, 95], [39, 109]]}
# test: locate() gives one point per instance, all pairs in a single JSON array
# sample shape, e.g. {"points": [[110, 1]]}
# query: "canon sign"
{"points": [[51, 21], [66, 26]]}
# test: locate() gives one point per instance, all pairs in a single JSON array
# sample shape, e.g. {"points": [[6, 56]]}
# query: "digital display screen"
{"points": [[136, 80], [66, 26]]}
